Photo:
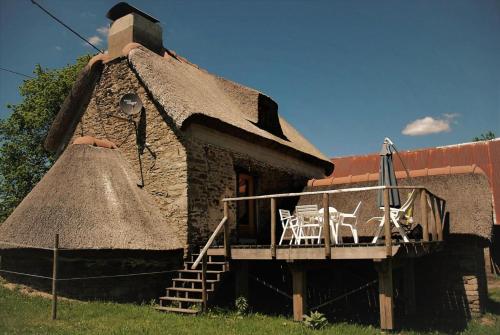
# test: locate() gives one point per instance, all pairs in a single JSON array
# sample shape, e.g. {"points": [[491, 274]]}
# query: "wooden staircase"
{"points": [[186, 293]]}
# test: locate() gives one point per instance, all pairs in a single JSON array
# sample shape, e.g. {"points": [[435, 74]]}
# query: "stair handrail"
{"points": [[209, 243]]}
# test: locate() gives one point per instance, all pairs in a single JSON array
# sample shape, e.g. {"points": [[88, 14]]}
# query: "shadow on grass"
{"points": [[493, 307]]}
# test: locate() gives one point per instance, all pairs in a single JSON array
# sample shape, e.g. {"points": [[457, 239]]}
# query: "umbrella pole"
{"points": [[387, 224]]}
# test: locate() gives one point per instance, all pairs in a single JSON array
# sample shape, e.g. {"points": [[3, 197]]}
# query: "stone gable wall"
{"points": [[165, 177]]}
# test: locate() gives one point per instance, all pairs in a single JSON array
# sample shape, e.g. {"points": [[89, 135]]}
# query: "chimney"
{"points": [[132, 25]]}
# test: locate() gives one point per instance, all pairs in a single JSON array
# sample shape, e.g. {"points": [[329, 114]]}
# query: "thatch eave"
{"points": [[91, 199]]}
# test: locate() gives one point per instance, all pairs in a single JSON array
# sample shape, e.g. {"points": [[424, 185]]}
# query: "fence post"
{"points": [[326, 225], [273, 227], [204, 282], [227, 243], [423, 213], [54, 277], [387, 223]]}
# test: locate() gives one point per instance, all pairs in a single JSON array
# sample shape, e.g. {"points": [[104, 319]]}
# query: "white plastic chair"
{"points": [[352, 226], [289, 223], [396, 214], [334, 222], [309, 226]]}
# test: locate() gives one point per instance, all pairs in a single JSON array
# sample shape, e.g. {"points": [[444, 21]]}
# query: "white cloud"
{"points": [[429, 125], [95, 40], [103, 30], [58, 48]]}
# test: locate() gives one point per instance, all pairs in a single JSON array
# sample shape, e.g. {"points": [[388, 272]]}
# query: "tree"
{"points": [[23, 159], [485, 137]]}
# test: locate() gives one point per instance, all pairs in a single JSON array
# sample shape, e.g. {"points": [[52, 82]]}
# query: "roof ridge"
{"points": [[400, 174]]}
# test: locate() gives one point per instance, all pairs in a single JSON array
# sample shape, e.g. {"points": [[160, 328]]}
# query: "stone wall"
{"points": [[165, 177], [453, 282], [212, 176]]}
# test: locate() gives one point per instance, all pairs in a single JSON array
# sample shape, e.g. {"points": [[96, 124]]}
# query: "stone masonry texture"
{"points": [[188, 178]]}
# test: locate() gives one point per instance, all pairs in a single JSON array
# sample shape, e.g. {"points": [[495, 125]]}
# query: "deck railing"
{"points": [[428, 202]]}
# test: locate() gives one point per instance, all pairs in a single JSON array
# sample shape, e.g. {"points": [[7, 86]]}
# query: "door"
{"points": [[246, 209]]}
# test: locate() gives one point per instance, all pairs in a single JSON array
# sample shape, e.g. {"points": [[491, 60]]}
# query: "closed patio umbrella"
{"points": [[387, 176]]}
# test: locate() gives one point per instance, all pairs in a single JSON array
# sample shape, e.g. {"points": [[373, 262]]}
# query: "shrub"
{"points": [[241, 305], [315, 320]]}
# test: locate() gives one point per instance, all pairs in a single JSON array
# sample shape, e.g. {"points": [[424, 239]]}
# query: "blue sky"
{"points": [[344, 73]]}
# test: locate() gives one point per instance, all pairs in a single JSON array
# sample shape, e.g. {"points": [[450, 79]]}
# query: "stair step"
{"points": [[177, 310], [182, 299], [195, 280], [185, 289], [209, 263], [199, 271]]}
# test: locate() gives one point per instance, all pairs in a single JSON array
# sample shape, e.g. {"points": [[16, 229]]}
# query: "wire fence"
{"points": [[88, 277], [55, 279]]}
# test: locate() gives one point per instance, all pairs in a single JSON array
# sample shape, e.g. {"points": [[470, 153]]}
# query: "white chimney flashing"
{"points": [[134, 28]]}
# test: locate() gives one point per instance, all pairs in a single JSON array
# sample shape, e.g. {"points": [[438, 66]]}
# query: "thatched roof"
{"points": [[91, 198], [468, 199], [74, 105], [190, 94]]}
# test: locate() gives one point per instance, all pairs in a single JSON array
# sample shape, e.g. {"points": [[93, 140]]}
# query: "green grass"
{"points": [[23, 314]]}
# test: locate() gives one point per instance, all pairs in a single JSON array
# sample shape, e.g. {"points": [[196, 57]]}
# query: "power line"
{"points": [[18, 73], [66, 26]]}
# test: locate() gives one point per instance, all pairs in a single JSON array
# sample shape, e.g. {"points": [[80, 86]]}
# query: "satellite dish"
{"points": [[131, 104]]}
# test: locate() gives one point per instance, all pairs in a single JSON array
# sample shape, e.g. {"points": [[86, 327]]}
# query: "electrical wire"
{"points": [[15, 72], [65, 25]]}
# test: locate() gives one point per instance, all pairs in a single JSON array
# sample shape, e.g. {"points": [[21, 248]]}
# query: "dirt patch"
{"points": [[493, 281], [26, 290], [487, 321]]}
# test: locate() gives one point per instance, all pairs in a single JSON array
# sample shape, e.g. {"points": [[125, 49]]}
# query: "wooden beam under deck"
{"points": [[354, 251]]}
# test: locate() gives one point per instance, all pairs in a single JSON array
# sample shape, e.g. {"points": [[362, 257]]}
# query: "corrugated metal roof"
{"points": [[484, 154]]}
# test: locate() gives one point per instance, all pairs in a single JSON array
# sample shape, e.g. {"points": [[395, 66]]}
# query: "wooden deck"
{"points": [[351, 251], [387, 255]]}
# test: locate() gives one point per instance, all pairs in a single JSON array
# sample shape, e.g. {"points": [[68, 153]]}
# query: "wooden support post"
{"points": [[385, 294], [423, 214], [436, 209], [387, 224], [433, 226], [273, 227], [299, 291], [54, 277], [409, 287], [204, 297], [241, 279], [227, 242], [326, 225]]}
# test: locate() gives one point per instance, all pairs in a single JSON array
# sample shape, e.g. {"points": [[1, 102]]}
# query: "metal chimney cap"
{"points": [[122, 8]]}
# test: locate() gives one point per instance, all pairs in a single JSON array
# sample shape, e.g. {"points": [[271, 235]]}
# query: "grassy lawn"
{"points": [[27, 314]]}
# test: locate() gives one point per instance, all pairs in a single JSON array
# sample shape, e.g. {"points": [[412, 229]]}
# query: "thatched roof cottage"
{"points": [[198, 138], [207, 137]]}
